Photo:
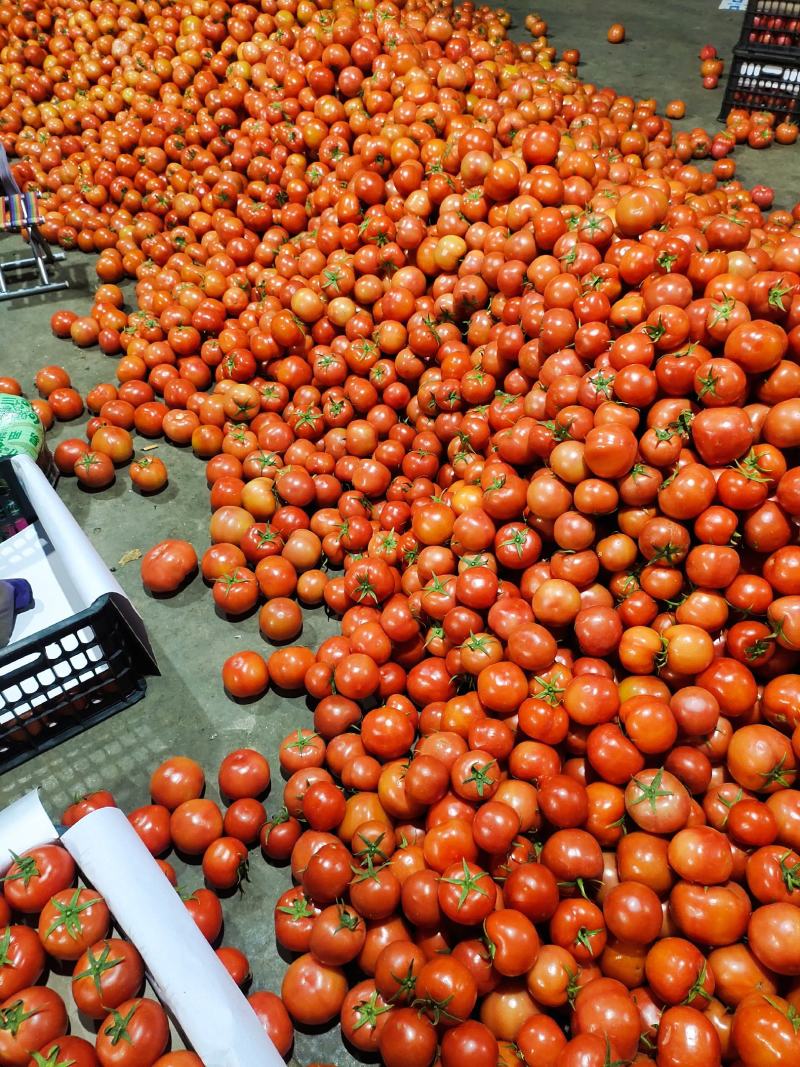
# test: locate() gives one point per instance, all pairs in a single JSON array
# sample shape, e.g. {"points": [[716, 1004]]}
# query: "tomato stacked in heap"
{"points": [[47, 920], [70, 928], [440, 314]]}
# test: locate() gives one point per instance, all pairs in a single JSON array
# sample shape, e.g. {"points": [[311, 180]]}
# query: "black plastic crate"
{"points": [[761, 81], [773, 26], [64, 679], [16, 512]]}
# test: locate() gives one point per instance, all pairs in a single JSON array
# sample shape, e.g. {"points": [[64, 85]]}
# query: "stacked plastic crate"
{"points": [[765, 71]]}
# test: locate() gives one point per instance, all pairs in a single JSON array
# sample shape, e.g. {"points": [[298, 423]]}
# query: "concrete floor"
{"points": [[185, 710]]}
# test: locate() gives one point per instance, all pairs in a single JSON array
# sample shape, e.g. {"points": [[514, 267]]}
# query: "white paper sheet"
{"points": [[54, 554], [23, 825], [185, 971]]}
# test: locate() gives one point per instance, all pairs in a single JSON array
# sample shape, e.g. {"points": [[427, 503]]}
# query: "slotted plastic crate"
{"points": [[772, 25], [760, 82], [59, 681]]}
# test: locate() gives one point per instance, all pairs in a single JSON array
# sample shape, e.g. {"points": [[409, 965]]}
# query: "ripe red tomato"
{"points": [[36, 876], [236, 964], [151, 823], [71, 921], [106, 975], [243, 773], [22, 959], [245, 675], [65, 1052], [225, 863], [204, 907], [167, 565], [313, 992], [175, 781], [28, 1020], [135, 1032], [274, 1017], [194, 825]]}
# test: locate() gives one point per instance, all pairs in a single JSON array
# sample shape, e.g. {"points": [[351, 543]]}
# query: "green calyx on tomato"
{"points": [[468, 883], [299, 908], [12, 1017], [52, 1059], [369, 1011], [481, 777], [26, 869], [98, 965], [118, 1030]]}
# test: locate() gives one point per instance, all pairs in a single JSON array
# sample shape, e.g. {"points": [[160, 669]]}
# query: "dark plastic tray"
{"points": [[773, 26], [763, 81], [66, 678]]}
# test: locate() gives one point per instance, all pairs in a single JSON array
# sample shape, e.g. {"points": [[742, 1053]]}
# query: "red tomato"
{"points": [[167, 565], [28, 1020], [107, 974], [36, 876], [135, 1032], [71, 921]]}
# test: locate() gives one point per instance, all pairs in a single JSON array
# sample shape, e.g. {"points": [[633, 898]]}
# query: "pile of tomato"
{"points": [[481, 360], [49, 922]]}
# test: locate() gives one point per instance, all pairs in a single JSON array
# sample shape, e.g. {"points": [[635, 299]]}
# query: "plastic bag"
{"points": [[20, 428]]}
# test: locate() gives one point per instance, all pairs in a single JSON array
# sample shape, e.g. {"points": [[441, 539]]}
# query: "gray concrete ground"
{"points": [[185, 710]]}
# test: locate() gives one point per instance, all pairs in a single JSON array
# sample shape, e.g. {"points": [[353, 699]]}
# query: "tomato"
{"points": [[515, 941], [106, 975], [657, 801], [89, 802], [194, 825], [28, 1020], [22, 959], [236, 964], [65, 1052], [225, 863], [337, 935], [94, 469], [763, 1029], [151, 823], [243, 773], [36, 876], [178, 1059], [244, 820], [685, 1031], [204, 907], [294, 920], [313, 992], [167, 565], [149, 474], [274, 1017], [71, 921], [135, 1032], [466, 893], [175, 781], [245, 675], [773, 933], [407, 1038]]}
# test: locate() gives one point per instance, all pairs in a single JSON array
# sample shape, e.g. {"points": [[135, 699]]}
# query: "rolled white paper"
{"points": [[183, 968], [23, 825]]}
